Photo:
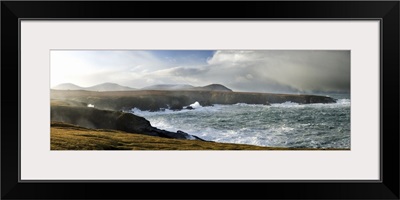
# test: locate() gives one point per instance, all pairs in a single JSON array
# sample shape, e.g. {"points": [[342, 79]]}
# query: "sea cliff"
{"points": [[154, 100], [111, 120]]}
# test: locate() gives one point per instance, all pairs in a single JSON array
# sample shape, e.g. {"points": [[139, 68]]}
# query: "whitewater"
{"points": [[277, 125]]}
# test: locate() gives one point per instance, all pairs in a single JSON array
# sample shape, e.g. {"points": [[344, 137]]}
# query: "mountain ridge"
{"points": [[214, 87], [103, 87], [67, 86], [210, 87], [168, 87], [108, 86]]}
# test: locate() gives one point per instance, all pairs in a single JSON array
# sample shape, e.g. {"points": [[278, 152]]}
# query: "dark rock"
{"points": [[187, 136], [206, 103], [168, 134], [189, 108], [131, 123], [176, 107]]}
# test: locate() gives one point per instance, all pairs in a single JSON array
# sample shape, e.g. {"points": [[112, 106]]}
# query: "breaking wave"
{"points": [[285, 125]]}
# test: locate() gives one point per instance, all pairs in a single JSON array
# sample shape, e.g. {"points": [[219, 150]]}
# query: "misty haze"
{"points": [[200, 99]]}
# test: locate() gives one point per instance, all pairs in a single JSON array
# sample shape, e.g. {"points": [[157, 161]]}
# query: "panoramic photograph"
{"points": [[200, 100]]}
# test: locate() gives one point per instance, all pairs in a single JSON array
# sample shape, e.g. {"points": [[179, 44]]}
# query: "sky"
{"points": [[280, 71]]}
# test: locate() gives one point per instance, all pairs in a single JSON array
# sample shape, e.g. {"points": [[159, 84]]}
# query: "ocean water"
{"points": [[279, 125]]}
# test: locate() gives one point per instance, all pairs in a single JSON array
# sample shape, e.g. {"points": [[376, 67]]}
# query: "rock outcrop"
{"points": [[115, 120]]}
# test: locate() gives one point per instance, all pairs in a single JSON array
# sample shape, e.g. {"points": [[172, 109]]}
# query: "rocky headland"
{"points": [[154, 100], [112, 120]]}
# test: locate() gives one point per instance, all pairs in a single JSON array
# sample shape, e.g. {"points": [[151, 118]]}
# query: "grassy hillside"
{"points": [[70, 137]]}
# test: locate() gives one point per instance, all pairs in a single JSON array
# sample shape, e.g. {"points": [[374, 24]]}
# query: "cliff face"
{"points": [[176, 100], [115, 120]]}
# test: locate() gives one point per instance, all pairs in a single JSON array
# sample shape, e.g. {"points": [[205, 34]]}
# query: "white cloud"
{"points": [[290, 70], [88, 68], [259, 70], [249, 76]]}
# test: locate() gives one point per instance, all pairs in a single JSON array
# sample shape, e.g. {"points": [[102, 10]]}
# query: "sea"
{"points": [[277, 125]]}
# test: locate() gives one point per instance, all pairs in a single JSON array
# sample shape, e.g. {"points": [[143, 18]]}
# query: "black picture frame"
{"points": [[386, 11]]}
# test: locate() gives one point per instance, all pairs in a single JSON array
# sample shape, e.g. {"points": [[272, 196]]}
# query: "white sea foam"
{"points": [[197, 108], [196, 105], [287, 104], [190, 137], [343, 101], [218, 107]]}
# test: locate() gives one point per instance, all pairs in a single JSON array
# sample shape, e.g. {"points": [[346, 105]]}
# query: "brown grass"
{"points": [[70, 137], [64, 102]]}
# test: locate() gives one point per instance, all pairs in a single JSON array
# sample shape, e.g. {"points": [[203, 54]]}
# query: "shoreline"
{"points": [[106, 111]]}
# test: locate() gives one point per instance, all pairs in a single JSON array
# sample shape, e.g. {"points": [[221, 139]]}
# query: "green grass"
{"points": [[71, 137]]}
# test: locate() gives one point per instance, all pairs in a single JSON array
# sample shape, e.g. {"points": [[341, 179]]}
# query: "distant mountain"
{"points": [[168, 87], [212, 87], [109, 87], [101, 87], [115, 87], [67, 86]]}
